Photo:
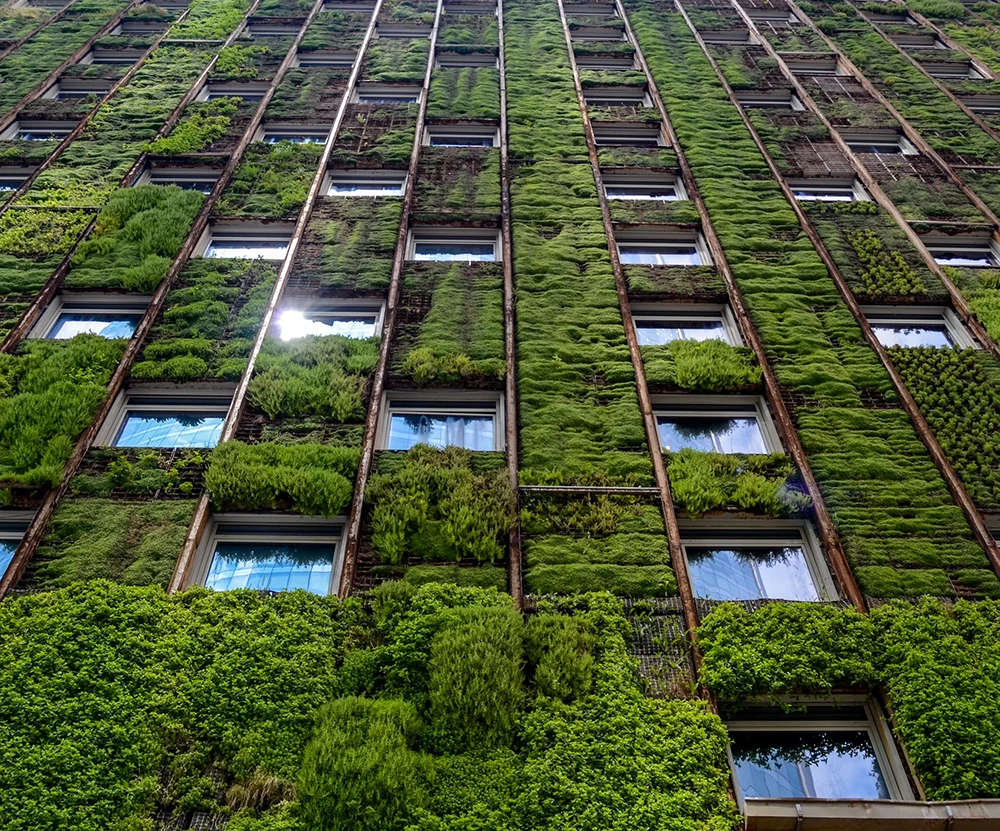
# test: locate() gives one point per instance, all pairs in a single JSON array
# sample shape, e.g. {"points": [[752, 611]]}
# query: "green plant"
{"points": [[203, 123], [272, 180], [701, 366], [560, 649]]}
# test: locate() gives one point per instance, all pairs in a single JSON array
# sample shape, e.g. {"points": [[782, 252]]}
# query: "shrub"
{"points": [[560, 651]]}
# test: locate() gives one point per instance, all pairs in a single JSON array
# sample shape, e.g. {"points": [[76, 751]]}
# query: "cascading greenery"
{"points": [[272, 181], [899, 526]]}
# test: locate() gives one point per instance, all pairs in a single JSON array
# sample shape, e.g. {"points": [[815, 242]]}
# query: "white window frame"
{"points": [[607, 63], [336, 58], [76, 88], [982, 104], [232, 89], [281, 528], [462, 131], [693, 312], [14, 174], [720, 406], [331, 307], [598, 34], [635, 96], [645, 179], [87, 303], [448, 59], [921, 316], [592, 9], [363, 177], [285, 130], [652, 237], [466, 8], [972, 243], [388, 91], [397, 31], [166, 399], [398, 402], [813, 65], [876, 137], [876, 725], [899, 19], [918, 40], [176, 175], [122, 57], [952, 70], [779, 99], [62, 128], [627, 134], [729, 37], [140, 27], [249, 231], [829, 187], [729, 532], [349, 6], [448, 235], [776, 17], [257, 30]]}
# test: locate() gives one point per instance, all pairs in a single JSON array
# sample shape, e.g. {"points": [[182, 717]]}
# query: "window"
{"points": [[881, 142], [385, 94], [617, 97], [462, 135], [659, 325], [757, 561], [916, 326], [11, 178], [347, 318], [812, 65], [13, 524], [952, 70], [294, 133], [403, 30], [587, 34], [470, 420], [271, 30], [783, 99], [720, 424], [201, 179], [273, 553], [470, 8], [592, 9], [651, 247], [983, 104], [325, 57], [828, 190], [349, 6], [728, 37], [141, 27], [366, 183], [38, 130], [776, 17], [917, 41], [167, 417], [248, 92], [899, 19], [841, 752], [107, 315], [446, 244], [246, 241], [606, 63], [78, 88], [963, 250], [463, 60], [645, 187], [611, 134], [113, 56]]}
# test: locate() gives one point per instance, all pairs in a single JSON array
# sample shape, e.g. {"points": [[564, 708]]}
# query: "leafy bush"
{"points": [[561, 651], [204, 122], [705, 366]]}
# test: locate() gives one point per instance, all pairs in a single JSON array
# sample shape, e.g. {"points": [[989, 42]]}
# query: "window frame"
{"points": [[765, 14], [261, 30], [463, 402], [330, 306], [251, 92], [921, 315], [188, 175], [983, 243], [629, 134], [653, 237], [729, 37], [729, 532], [625, 91], [13, 525], [386, 90], [918, 40], [694, 311], [402, 31], [682, 405], [351, 176], [639, 179], [875, 724], [986, 104], [592, 9], [447, 59], [335, 58], [101, 56], [943, 70], [139, 26], [281, 131], [68, 89], [607, 63], [776, 99], [817, 185], [598, 34], [283, 528], [461, 130], [349, 6], [170, 399], [87, 303], [251, 231], [13, 174], [813, 65], [470, 7], [877, 137], [452, 235], [62, 129]]}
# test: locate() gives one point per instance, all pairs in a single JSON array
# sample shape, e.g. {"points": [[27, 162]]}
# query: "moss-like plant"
{"points": [[705, 366], [397, 60], [272, 181], [468, 92], [203, 123]]}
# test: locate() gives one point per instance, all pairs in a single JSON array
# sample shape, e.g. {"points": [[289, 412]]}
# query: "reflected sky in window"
{"points": [[470, 432], [70, 324], [659, 255], [293, 324], [271, 567], [470, 252], [366, 189], [930, 335], [827, 764], [751, 573], [7, 549], [654, 193], [967, 259], [659, 332], [143, 430], [712, 435], [245, 250]]}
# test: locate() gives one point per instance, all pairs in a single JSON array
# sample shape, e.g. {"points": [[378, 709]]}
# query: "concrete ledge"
{"points": [[876, 815]]}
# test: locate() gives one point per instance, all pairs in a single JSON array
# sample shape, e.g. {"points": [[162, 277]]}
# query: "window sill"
{"points": [[882, 815]]}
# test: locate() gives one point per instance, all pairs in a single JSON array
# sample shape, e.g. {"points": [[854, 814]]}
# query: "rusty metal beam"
{"points": [[353, 537], [182, 568]]}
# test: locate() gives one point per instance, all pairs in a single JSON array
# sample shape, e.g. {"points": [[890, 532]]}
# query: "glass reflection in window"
{"points": [[293, 324], [245, 249], [471, 252], [372, 188], [826, 764], [147, 430], [470, 432], [934, 335], [752, 573], [660, 332], [7, 549], [654, 193], [968, 257], [634, 254], [712, 435], [271, 567], [70, 324]]}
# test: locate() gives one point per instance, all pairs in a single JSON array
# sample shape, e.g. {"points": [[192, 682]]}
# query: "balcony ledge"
{"points": [[875, 815]]}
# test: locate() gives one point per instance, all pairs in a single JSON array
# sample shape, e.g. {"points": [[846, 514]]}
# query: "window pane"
{"points": [[657, 333], [296, 139], [299, 325], [475, 252], [470, 432], [826, 764], [461, 141], [971, 259], [387, 99], [223, 249], [367, 189], [876, 148], [824, 195], [659, 255], [718, 435], [141, 430], [10, 184], [657, 193], [271, 567], [7, 549], [71, 324], [751, 573], [929, 335]]}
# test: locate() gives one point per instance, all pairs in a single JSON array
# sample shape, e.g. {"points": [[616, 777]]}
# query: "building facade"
{"points": [[618, 381]]}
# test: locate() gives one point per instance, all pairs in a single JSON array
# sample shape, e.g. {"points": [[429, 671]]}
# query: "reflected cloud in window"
{"points": [[470, 432], [751, 573], [141, 430], [271, 567], [70, 324], [712, 435], [295, 324]]}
